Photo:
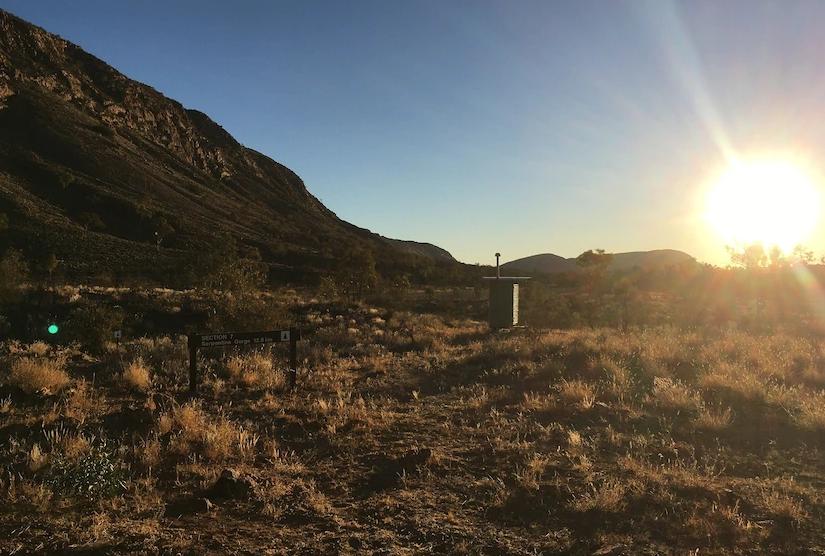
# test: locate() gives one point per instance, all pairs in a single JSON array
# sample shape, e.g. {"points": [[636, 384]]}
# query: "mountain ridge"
{"points": [[95, 166]]}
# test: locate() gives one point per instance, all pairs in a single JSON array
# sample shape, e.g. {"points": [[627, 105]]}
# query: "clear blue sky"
{"points": [[514, 126]]}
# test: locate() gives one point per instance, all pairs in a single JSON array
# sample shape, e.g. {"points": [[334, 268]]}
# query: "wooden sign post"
{"points": [[229, 339]]}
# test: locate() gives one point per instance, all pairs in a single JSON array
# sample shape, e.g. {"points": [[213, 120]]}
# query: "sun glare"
{"points": [[773, 202]]}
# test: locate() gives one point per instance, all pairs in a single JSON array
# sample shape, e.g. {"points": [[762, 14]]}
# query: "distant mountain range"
{"points": [[109, 175], [552, 264]]}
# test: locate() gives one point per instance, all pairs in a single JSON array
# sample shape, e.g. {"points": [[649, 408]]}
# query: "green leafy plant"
{"points": [[95, 475]]}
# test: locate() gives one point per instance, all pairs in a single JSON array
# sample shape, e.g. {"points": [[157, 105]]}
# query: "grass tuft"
{"points": [[37, 375]]}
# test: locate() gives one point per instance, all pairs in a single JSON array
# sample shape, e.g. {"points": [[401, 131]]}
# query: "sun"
{"points": [[775, 202]]}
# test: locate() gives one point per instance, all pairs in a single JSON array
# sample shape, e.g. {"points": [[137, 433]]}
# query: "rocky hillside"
{"points": [[425, 249], [111, 176]]}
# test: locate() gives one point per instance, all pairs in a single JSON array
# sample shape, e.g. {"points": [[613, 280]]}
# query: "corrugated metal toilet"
{"points": [[504, 302]]}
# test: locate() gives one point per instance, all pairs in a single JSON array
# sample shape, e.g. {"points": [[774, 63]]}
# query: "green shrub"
{"points": [[94, 475], [92, 325]]}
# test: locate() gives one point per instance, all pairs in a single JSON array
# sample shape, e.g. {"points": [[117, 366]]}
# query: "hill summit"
{"points": [[548, 263]]}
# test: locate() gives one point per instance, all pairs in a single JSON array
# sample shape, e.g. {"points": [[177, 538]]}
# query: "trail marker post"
{"points": [[230, 339]]}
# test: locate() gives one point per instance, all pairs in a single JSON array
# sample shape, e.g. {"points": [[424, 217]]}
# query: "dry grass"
{"points": [[197, 433], [577, 394], [414, 433], [714, 420], [608, 497], [781, 505], [671, 394], [811, 413], [137, 376], [45, 376], [255, 370], [83, 401]]}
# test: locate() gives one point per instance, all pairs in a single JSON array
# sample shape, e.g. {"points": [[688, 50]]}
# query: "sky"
{"points": [[481, 126]]}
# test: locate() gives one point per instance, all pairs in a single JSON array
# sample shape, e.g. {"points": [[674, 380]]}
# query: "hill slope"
{"points": [[552, 264], [419, 248], [110, 175]]}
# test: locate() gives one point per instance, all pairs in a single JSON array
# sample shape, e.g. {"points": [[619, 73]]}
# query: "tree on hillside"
{"points": [[50, 263], [219, 265], [594, 262], [357, 272], [756, 256], [13, 272], [802, 254], [749, 257], [594, 259], [161, 229]]}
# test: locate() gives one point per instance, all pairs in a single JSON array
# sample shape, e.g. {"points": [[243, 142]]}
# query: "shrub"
{"points": [[136, 375], [39, 348], [669, 393], [82, 401], [13, 272], [38, 375], [577, 393], [608, 497], [196, 433], [713, 420], [149, 452], [93, 475], [92, 325], [255, 369], [811, 414]]}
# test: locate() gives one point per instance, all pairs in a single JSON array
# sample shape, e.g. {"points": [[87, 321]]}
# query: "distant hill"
{"points": [[111, 176], [553, 264], [546, 263]]}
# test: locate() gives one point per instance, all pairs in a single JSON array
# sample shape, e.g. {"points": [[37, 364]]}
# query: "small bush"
{"points": [[91, 325], [255, 369], [82, 401], [713, 420], [136, 376], [671, 394], [609, 497], [149, 452], [577, 393], [31, 375], [96, 474], [39, 349], [196, 433], [811, 415]]}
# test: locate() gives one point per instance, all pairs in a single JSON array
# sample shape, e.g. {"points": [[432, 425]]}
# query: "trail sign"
{"points": [[240, 338], [230, 339]]}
